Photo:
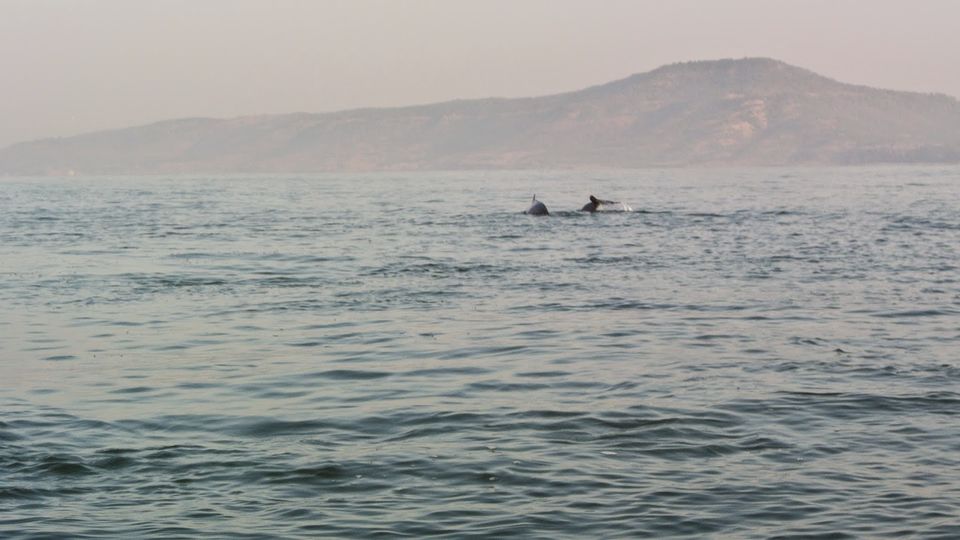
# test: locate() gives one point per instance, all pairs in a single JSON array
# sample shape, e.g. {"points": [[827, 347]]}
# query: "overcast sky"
{"points": [[72, 66]]}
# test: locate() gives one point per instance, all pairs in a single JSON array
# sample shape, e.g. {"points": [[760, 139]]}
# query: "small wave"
{"points": [[916, 313], [60, 357], [61, 466], [348, 374]]}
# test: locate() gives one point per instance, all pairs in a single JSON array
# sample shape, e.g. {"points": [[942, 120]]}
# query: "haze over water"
{"points": [[751, 353]]}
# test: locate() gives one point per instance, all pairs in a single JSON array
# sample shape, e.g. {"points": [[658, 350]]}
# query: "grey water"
{"points": [[755, 353]]}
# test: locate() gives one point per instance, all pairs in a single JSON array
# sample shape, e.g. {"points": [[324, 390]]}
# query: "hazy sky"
{"points": [[71, 66]]}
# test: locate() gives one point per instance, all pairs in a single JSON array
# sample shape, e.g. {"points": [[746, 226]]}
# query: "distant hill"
{"points": [[728, 112]]}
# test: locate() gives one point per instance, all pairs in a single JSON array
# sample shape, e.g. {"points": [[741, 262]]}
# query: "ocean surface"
{"points": [[756, 353]]}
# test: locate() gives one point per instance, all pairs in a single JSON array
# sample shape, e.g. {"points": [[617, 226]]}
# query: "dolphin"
{"points": [[537, 208], [595, 204]]}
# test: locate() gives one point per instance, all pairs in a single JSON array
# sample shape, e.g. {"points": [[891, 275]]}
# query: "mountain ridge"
{"points": [[753, 111]]}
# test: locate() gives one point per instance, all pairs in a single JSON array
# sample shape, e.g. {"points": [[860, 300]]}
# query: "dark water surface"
{"points": [[751, 354]]}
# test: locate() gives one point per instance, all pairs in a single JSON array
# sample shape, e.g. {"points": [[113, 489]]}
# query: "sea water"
{"points": [[749, 353]]}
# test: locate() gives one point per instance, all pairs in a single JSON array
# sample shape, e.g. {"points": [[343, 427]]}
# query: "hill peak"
{"points": [[749, 62], [755, 74]]}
